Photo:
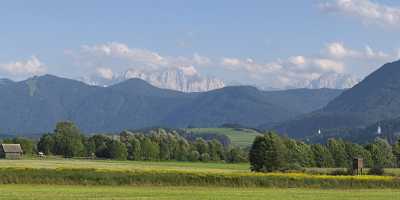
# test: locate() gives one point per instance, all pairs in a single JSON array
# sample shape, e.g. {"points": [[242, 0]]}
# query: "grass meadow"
{"points": [[97, 172], [102, 179], [59, 163], [241, 137], [64, 192]]}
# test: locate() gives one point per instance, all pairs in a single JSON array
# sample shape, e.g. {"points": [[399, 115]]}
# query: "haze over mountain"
{"points": [[37, 104], [374, 99]]}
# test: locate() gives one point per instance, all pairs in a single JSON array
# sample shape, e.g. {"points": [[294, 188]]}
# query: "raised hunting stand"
{"points": [[358, 166]]}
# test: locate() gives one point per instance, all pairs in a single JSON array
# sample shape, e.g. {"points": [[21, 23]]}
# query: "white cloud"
{"points": [[17, 69], [291, 72], [122, 51], [372, 54], [327, 65], [298, 60], [339, 51], [105, 73], [230, 62], [366, 10], [297, 71], [110, 59], [201, 60]]}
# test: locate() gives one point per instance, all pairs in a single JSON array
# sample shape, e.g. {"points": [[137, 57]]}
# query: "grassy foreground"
{"points": [[128, 173], [36, 192], [185, 178]]}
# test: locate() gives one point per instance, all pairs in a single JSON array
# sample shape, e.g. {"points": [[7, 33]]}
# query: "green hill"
{"points": [[35, 105], [374, 99]]}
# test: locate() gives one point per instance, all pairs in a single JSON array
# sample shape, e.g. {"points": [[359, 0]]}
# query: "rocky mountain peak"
{"points": [[185, 79]]}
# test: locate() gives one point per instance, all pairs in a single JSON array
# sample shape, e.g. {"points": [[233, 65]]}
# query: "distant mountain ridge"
{"points": [[187, 79], [37, 104], [181, 79], [333, 80], [374, 99]]}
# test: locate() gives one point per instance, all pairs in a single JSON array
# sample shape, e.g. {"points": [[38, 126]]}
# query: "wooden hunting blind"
{"points": [[358, 165]]}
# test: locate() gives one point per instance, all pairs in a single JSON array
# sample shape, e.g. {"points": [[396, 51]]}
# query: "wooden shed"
{"points": [[11, 151]]}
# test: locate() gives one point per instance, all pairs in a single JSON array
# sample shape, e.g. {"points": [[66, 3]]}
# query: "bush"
{"points": [[341, 172], [376, 170], [295, 166]]}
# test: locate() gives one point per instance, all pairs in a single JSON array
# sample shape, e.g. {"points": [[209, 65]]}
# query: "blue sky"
{"points": [[269, 43]]}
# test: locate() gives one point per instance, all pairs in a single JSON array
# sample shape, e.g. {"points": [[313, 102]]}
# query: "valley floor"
{"points": [[60, 192]]}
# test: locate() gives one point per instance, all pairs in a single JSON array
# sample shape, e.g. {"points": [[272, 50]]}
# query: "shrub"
{"points": [[376, 170], [341, 172]]}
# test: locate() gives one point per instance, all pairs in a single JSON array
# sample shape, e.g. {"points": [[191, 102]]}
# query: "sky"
{"points": [[259, 42]]}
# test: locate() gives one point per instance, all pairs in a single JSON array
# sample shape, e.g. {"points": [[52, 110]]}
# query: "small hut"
{"points": [[358, 166], [11, 151]]}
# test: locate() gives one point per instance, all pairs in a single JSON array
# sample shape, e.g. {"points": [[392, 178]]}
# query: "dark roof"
{"points": [[11, 148]]}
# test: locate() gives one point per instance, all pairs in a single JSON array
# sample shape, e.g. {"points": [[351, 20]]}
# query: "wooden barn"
{"points": [[11, 151]]}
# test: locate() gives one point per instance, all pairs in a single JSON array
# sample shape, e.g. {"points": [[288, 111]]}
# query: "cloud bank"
{"points": [[23, 68], [111, 58], [367, 11]]}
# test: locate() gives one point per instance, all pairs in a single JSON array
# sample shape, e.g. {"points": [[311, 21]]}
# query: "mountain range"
{"points": [[184, 79], [35, 105], [333, 80], [374, 99], [187, 79]]}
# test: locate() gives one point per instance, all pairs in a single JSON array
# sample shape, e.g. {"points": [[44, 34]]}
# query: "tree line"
{"points": [[272, 152], [269, 152], [157, 144]]}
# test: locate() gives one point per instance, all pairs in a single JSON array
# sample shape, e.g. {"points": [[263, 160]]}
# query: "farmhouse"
{"points": [[11, 151]]}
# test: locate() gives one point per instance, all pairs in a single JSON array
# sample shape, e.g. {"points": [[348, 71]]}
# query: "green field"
{"points": [[125, 165], [101, 179], [130, 173], [241, 137], [60, 163], [36, 192]]}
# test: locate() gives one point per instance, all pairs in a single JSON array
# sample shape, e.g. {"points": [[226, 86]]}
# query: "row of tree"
{"points": [[67, 140], [272, 152]]}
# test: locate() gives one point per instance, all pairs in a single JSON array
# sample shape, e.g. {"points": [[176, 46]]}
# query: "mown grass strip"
{"points": [[185, 178], [79, 192]]}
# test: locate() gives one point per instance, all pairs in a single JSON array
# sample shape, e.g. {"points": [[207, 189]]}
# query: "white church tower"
{"points": [[379, 131]]}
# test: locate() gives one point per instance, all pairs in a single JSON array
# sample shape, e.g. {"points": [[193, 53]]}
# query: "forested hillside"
{"points": [[33, 106], [374, 99]]}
